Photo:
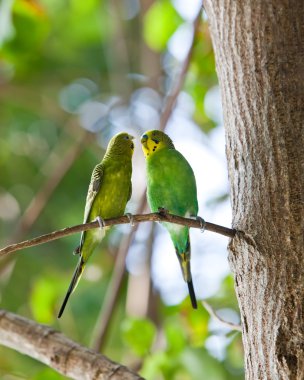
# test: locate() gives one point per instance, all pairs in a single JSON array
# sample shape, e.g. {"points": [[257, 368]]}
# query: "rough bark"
{"points": [[58, 352], [259, 49]]}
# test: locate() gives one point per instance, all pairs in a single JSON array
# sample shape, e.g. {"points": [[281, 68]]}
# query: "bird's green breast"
{"points": [[171, 185], [110, 201], [113, 195]]}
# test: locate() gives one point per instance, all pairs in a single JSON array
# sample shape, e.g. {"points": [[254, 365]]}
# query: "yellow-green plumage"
{"points": [[109, 191], [171, 185]]}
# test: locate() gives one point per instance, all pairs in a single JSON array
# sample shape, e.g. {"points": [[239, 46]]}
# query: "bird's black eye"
{"points": [[126, 137], [156, 141]]}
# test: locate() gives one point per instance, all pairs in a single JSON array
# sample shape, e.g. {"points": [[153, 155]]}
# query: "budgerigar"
{"points": [[171, 185], [109, 191]]}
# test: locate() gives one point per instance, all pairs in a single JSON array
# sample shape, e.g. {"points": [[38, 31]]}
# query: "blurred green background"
{"points": [[72, 74]]}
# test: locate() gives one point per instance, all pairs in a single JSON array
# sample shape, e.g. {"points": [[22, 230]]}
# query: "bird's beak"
{"points": [[144, 142], [144, 139], [132, 144]]}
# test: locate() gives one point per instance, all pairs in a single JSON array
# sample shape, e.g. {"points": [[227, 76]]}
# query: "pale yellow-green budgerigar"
{"points": [[109, 191], [171, 185]]}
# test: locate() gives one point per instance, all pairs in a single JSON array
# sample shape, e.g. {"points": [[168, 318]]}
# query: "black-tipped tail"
{"points": [[192, 294], [76, 276]]}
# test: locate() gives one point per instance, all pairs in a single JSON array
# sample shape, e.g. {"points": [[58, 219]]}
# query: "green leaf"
{"points": [[48, 374], [175, 335], [198, 326], [138, 334], [160, 22], [43, 299], [154, 365]]}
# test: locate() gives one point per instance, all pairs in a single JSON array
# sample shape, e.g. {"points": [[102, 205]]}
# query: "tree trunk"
{"points": [[259, 49]]}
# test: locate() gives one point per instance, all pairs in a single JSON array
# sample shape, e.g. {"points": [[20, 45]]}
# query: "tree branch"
{"points": [[114, 287], [47, 189], [175, 91], [111, 298], [58, 352], [108, 307], [153, 217], [213, 314]]}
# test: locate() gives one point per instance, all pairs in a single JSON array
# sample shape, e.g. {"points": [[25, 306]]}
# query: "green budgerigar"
{"points": [[171, 185], [109, 191]]}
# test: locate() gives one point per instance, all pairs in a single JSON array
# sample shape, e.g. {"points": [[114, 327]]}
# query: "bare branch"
{"points": [[47, 189], [213, 314], [112, 293], [104, 319], [175, 91], [114, 287], [153, 217], [58, 352]]}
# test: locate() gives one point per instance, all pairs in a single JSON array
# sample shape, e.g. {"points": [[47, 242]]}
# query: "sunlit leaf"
{"points": [[138, 334], [48, 374], [160, 22], [175, 335], [43, 298]]}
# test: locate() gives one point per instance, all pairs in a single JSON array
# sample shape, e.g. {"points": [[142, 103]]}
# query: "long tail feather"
{"points": [[184, 260], [192, 294], [75, 279]]}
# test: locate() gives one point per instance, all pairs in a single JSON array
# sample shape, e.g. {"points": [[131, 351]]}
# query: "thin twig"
{"points": [[38, 203], [105, 317], [212, 312], [115, 285], [139, 218], [173, 95], [36, 206], [139, 284], [57, 351], [113, 290]]}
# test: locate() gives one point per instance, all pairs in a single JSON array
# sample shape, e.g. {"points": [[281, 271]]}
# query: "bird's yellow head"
{"points": [[121, 144], [153, 141]]}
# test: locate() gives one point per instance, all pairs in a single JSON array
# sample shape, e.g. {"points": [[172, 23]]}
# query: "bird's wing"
{"points": [[130, 191], [94, 187]]}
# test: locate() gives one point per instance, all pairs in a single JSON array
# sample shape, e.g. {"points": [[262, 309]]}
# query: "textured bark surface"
{"points": [[259, 49], [58, 352]]}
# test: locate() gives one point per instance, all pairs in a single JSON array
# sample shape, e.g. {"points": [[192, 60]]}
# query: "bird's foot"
{"points": [[202, 223], [101, 222], [77, 251], [131, 218], [162, 211]]}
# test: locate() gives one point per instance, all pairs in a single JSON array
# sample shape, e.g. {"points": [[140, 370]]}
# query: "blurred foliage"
{"points": [[72, 66], [138, 334], [161, 20]]}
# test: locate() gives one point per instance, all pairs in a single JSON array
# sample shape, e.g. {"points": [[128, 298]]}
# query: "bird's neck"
{"points": [[117, 155]]}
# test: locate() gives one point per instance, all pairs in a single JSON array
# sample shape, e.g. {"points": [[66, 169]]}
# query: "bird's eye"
{"points": [[126, 137], [156, 141]]}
